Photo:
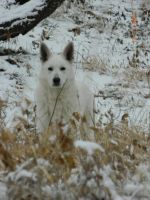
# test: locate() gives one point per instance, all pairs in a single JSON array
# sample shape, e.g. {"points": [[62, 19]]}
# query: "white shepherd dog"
{"points": [[58, 94]]}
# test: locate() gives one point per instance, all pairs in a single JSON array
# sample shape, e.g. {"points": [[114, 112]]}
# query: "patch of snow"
{"points": [[109, 183], [113, 142], [42, 162], [20, 174], [21, 11], [89, 147], [52, 138], [3, 191]]}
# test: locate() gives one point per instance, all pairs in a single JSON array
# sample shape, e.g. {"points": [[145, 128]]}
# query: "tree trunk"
{"points": [[24, 16]]}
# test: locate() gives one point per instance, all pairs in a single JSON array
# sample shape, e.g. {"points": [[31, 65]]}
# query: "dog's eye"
{"points": [[50, 69], [62, 68]]}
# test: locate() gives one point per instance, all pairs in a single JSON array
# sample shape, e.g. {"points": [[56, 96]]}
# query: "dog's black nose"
{"points": [[56, 81]]}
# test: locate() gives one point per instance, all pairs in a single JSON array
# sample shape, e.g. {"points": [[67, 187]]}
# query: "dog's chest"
{"points": [[62, 108]]}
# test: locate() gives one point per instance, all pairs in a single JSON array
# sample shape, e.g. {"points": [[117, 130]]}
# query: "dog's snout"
{"points": [[56, 81]]}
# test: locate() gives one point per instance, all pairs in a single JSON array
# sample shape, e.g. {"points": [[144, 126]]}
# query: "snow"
{"points": [[25, 173], [109, 183], [89, 147], [21, 11], [3, 190]]}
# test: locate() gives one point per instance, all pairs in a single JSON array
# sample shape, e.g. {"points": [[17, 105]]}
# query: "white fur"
{"points": [[58, 103]]}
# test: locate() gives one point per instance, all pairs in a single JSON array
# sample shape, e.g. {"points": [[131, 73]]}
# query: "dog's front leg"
{"points": [[42, 118]]}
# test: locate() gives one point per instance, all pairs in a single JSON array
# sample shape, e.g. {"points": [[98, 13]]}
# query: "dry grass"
{"points": [[3, 105], [131, 75], [95, 64], [125, 149]]}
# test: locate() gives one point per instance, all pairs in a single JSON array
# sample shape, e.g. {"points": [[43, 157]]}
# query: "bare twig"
{"points": [[56, 103]]}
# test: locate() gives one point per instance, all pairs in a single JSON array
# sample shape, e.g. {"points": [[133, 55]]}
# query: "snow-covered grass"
{"points": [[111, 166], [66, 163]]}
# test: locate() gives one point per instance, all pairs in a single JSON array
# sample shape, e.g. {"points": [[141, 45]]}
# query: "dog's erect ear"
{"points": [[69, 52], [44, 52]]}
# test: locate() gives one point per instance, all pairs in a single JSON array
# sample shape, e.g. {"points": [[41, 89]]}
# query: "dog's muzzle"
{"points": [[56, 81]]}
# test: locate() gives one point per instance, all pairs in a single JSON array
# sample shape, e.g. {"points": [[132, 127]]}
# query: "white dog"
{"points": [[58, 94]]}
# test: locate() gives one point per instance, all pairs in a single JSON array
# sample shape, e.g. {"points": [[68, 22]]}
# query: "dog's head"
{"points": [[56, 68]]}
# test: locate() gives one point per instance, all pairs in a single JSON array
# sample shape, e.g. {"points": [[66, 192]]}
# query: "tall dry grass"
{"points": [[53, 158]]}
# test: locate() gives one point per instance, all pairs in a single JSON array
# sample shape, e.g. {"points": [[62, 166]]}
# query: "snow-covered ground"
{"points": [[112, 57], [103, 45]]}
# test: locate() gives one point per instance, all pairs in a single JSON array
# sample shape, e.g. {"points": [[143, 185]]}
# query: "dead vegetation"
{"points": [[95, 64], [43, 166]]}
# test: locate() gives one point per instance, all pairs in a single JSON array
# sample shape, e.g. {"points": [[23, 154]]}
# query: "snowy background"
{"points": [[112, 56]]}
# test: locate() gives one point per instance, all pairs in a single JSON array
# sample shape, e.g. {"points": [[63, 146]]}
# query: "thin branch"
{"points": [[56, 102]]}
